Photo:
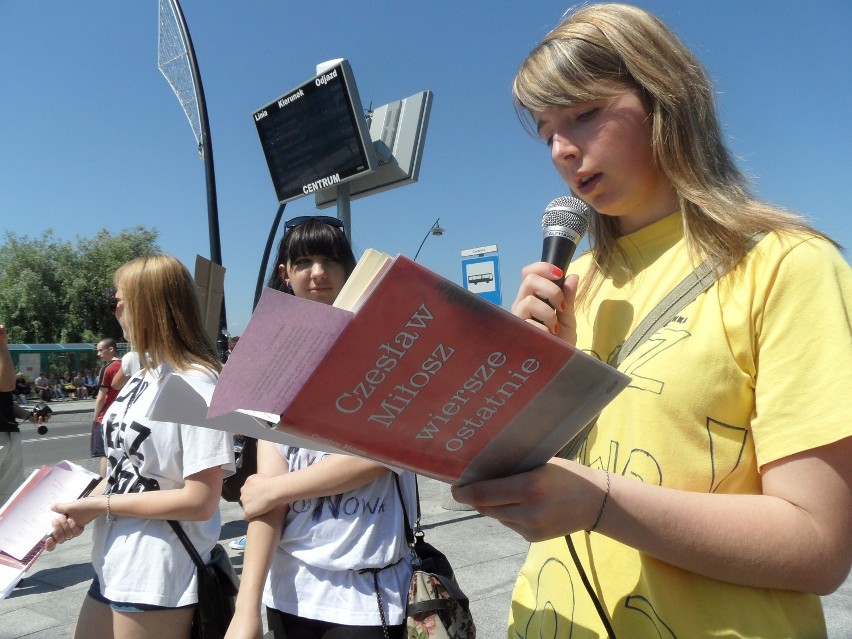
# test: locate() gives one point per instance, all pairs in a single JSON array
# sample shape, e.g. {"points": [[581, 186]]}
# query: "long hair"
{"points": [[313, 237], [163, 315], [602, 50]]}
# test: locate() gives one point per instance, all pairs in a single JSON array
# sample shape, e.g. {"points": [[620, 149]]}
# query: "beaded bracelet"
{"points": [[603, 504], [109, 516]]}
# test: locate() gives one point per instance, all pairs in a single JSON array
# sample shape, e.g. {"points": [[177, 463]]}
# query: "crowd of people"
{"points": [[713, 497], [48, 386]]}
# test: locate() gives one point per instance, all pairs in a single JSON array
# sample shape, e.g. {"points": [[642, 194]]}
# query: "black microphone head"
{"points": [[570, 212]]}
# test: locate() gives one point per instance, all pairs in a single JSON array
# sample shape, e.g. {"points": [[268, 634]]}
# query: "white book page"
{"points": [[29, 521]]}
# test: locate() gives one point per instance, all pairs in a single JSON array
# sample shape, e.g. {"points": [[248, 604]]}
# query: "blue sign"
{"points": [[481, 275]]}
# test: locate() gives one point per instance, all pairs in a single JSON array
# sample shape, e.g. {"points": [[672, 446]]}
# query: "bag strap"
{"points": [[410, 535], [193, 553]]}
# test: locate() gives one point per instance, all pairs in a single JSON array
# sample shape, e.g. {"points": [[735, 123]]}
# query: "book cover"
{"points": [[425, 376]]}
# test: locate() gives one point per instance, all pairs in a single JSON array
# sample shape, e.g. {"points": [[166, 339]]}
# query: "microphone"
{"points": [[565, 221]]}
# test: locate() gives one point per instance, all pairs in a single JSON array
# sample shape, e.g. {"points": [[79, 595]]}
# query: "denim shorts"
{"points": [[96, 444], [124, 606]]}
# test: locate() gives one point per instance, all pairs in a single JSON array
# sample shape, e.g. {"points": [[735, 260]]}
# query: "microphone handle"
{"points": [[558, 250]]}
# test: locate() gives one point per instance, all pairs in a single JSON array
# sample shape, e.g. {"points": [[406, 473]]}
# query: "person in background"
{"points": [[91, 383], [319, 570], [43, 388], [80, 391], [713, 496], [22, 389], [55, 386], [145, 583], [107, 351], [11, 449]]}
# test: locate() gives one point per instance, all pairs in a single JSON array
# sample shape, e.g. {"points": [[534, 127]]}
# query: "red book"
{"points": [[424, 375]]}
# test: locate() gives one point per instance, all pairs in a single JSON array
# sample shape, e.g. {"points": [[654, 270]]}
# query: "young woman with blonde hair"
{"points": [[713, 497], [145, 581]]}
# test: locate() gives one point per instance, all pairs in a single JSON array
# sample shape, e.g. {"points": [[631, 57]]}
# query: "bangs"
{"points": [[564, 73], [315, 239]]}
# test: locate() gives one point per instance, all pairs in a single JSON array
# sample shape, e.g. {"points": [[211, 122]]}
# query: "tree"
{"points": [[53, 291]]}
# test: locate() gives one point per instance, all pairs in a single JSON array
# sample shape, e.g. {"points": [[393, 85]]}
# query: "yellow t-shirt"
{"points": [[754, 370]]}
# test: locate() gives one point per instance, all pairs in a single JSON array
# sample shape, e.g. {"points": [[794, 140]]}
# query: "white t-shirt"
{"points": [[142, 560], [130, 364], [315, 573]]}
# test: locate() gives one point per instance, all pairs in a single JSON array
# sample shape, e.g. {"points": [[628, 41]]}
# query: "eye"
{"points": [[587, 114]]}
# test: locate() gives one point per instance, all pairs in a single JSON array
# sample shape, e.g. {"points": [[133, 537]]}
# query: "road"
{"points": [[67, 437]]}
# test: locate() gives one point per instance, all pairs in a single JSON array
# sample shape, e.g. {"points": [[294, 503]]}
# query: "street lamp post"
{"points": [[435, 229]]}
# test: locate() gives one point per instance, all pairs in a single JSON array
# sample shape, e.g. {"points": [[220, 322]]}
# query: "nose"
{"points": [[318, 269], [563, 149]]}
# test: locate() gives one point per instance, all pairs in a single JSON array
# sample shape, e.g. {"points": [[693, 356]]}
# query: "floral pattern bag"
{"points": [[437, 608]]}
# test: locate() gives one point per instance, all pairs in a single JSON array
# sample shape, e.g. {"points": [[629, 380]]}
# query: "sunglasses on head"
{"points": [[303, 219]]}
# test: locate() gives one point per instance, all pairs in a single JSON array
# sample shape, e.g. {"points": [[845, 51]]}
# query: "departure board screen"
{"points": [[315, 136]]}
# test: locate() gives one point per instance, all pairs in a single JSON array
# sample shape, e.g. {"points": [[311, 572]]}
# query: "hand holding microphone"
{"points": [[564, 223]]}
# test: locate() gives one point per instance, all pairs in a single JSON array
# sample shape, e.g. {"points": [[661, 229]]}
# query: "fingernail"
{"points": [[556, 329], [563, 306], [556, 271]]}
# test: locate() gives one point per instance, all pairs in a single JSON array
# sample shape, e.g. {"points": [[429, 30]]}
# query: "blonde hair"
{"points": [[602, 50], [163, 316]]}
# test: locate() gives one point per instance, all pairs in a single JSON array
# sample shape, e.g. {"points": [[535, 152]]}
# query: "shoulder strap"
{"points": [[181, 533]]}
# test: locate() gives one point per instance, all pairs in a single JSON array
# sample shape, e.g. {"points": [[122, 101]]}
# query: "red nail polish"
{"points": [[556, 271], [556, 329], [563, 306]]}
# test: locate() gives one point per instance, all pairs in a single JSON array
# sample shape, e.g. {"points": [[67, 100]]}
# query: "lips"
{"points": [[586, 183]]}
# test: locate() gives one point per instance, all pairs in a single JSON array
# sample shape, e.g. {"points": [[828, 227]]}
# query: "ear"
{"points": [[282, 273]]}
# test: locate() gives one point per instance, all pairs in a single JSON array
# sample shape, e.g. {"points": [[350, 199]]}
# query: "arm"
{"points": [[7, 368], [261, 541], [795, 536], [332, 475], [197, 500], [119, 379]]}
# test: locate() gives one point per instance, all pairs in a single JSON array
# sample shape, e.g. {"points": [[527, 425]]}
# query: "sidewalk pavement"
{"points": [[485, 555]]}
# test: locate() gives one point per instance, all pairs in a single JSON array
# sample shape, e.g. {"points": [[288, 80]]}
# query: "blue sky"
{"points": [[91, 135]]}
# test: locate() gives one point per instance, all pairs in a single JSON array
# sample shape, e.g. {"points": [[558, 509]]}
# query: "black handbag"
{"points": [[246, 466], [217, 589]]}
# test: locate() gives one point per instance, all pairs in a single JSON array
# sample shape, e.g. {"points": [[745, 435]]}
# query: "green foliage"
{"points": [[54, 291]]}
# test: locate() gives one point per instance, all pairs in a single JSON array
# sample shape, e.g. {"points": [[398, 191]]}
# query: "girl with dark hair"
{"points": [[326, 541]]}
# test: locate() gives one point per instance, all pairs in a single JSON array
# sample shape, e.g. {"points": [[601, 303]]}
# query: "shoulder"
{"points": [[199, 374], [798, 259]]}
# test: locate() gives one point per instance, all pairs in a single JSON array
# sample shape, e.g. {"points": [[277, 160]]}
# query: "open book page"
{"points": [[362, 280], [28, 518], [282, 344], [9, 578]]}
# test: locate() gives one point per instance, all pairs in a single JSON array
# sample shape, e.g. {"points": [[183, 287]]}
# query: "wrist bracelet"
{"points": [[109, 517], [600, 512]]}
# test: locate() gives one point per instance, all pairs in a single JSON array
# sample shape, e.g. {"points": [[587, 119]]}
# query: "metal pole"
{"points": [[206, 151], [343, 209], [428, 233], [264, 263]]}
